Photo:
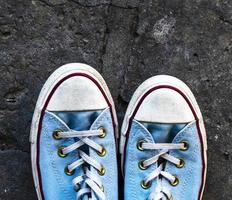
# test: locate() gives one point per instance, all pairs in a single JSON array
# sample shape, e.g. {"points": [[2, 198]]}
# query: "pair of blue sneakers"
{"points": [[74, 140]]}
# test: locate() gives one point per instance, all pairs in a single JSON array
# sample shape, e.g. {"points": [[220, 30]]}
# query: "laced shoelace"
{"points": [[89, 179], [160, 192]]}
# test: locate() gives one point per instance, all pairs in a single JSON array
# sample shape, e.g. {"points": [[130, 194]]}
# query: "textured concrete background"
{"points": [[127, 41]]}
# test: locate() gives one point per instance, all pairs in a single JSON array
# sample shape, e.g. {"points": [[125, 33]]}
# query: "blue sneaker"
{"points": [[73, 137], [163, 143]]}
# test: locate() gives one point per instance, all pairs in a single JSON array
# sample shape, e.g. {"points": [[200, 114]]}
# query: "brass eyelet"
{"points": [[139, 145], [60, 152], [186, 145], [175, 182], [67, 172], [181, 164], [103, 130], [56, 134], [145, 185], [102, 171], [102, 153], [141, 165]]}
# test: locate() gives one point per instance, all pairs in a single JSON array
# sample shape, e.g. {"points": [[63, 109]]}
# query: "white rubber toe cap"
{"points": [[74, 87], [77, 93], [164, 106]]}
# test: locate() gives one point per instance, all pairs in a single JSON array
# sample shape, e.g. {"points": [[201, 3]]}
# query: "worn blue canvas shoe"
{"points": [[73, 137], [163, 143]]}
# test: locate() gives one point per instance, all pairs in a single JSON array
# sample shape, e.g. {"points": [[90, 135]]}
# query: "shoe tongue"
{"points": [[78, 121], [163, 133]]}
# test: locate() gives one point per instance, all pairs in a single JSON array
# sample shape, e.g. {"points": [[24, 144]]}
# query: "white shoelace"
{"points": [[160, 193], [92, 181]]}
